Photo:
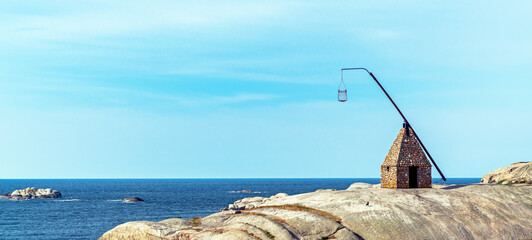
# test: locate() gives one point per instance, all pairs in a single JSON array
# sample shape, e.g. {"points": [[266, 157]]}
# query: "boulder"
{"points": [[133, 199], [31, 193], [516, 173]]}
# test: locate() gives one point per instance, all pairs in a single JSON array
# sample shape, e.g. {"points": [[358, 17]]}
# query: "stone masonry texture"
{"points": [[405, 153]]}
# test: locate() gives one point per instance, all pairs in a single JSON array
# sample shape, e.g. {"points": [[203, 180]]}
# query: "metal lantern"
{"points": [[342, 95], [342, 91]]}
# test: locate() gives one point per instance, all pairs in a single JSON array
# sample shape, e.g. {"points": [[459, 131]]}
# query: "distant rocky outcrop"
{"points": [[244, 191], [517, 173], [31, 193], [364, 211], [133, 199]]}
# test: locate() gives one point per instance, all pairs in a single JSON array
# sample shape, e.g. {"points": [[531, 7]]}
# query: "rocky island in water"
{"points": [[31, 193], [365, 211]]}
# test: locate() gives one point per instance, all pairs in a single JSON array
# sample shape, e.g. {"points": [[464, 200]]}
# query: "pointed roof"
{"points": [[406, 151]]}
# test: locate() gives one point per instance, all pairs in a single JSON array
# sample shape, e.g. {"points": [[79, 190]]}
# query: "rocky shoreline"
{"points": [[363, 211], [476, 211], [31, 193]]}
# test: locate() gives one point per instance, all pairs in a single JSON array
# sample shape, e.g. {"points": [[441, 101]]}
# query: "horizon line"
{"points": [[220, 178]]}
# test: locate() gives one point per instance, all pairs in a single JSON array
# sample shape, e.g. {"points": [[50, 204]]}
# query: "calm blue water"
{"points": [[91, 207]]}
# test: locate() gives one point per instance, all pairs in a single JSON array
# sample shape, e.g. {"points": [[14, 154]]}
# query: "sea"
{"points": [[90, 207]]}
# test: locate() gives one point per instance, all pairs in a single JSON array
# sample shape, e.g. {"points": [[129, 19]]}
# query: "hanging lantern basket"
{"points": [[342, 95], [342, 92]]}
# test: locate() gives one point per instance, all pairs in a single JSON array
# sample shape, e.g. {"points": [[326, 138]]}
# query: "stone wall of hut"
{"points": [[405, 152], [397, 177], [388, 177]]}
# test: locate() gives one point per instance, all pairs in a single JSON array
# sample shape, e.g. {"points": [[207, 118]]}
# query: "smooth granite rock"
{"points": [[517, 173]]}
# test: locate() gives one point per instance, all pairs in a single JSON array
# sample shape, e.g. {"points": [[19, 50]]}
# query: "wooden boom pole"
{"points": [[403, 116]]}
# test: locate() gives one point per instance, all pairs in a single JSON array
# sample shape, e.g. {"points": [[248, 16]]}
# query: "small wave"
{"points": [[69, 200], [115, 200], [243, 192]]}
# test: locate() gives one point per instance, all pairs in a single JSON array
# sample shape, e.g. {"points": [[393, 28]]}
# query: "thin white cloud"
{"points": [[250, 69], [121, 95], [216, 72], [137, 17], [209, 99], [245, 97], [384, 34]]}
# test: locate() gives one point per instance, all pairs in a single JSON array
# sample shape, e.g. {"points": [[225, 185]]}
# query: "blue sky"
{"points": [[243, 89]]}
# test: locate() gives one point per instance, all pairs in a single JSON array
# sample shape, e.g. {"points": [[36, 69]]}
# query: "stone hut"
{"points": [[406, 165]]}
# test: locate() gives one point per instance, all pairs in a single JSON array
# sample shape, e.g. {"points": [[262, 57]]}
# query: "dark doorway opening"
{"points": [[412, 177]]}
